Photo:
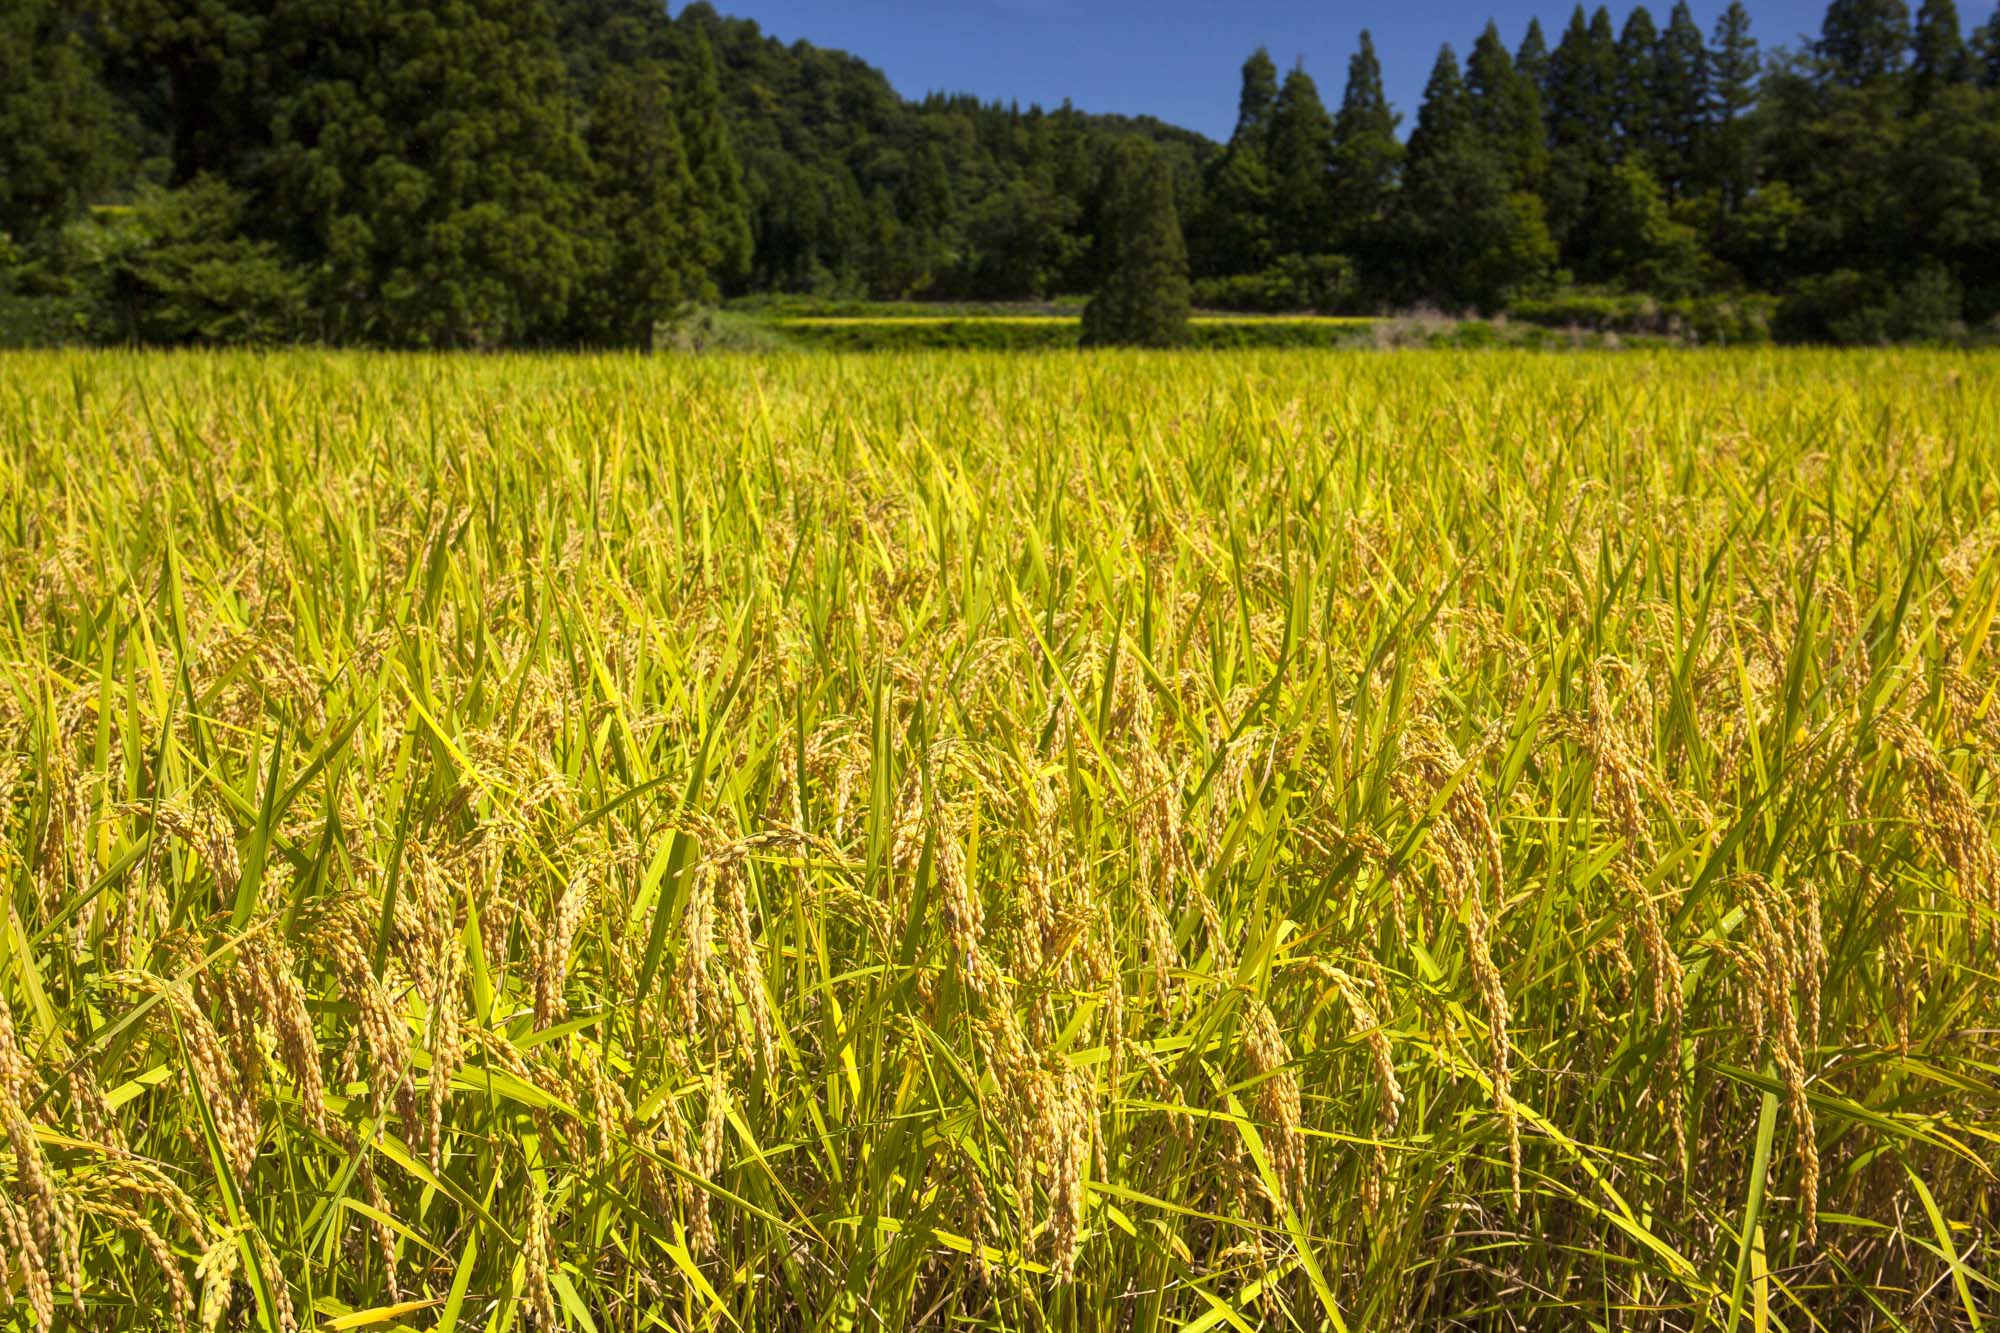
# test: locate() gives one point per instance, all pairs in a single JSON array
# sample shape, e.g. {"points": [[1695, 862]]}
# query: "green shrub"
{"points": [[1322, 283], [1585, 308], [913, 333], [173, 268], [1275, 333], [37, 309], [1851, 309]]}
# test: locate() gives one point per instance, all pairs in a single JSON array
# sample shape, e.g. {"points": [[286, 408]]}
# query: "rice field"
{"points": [[1139, 841], [1036, 320], [973, 329]]}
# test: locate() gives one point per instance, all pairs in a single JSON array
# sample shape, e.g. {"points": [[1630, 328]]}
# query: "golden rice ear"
{"points": [[536, 1261], [1950, 823], [552, 962]]}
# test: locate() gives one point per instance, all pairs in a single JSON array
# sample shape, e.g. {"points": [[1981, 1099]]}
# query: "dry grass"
{"points": [[1125, 841]]}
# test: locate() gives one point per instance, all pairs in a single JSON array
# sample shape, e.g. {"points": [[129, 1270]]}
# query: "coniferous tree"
{"points": [[721, 203], [1640, 117], [1532, 57], [1732, 94], [1506, 110], [1986, 51], [1582, 112], [1257, 99], [1301, 162], [1940, 55], [1864, 40], [429, 165], [1471, 241], [1233, 231], [643, 256], [922, 208], [601, 37], [58, 139], [202, 75], [479, 172], [1683, 98], [1367, 157], [1144, 299]]}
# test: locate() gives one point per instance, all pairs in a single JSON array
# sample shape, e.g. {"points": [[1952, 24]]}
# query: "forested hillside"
{"points": [[856, 190], [566, 172]]}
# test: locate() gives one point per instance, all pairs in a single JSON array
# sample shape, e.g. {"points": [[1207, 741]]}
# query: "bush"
{"points": [[1584, 308], [37, 309], [1851, 309], [899, 334], [173, 268], [1321, 283]]}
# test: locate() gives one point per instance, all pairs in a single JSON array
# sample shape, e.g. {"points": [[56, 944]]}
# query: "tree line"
{"points": [[1859, 177], [487, 173]]}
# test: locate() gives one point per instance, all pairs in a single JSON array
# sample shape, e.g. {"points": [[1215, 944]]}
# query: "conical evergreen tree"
{"points": [[1232, 233], [1682, 98], [1366, 159], [1301, 160], [1144, 299], [1733, 64], [1639, 111], [1532, 57], [1445, 117], [1471, 241], [645, 258], [1864, 40], [1941, 57], [1986, 50], [1506, 110], [720, 201], [1727, 166], [1583, 85], [1257, 100], [1582, 112]]}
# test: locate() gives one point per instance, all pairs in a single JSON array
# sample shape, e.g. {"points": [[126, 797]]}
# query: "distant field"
{"points": [[884, 332], [1210, 840], [843, 321]]}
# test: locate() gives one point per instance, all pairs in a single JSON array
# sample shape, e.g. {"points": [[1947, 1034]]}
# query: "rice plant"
{"points": [[1218, 840]]}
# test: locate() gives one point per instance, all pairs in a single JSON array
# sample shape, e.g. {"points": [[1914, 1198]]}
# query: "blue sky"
{"points": [[1178, 59]]}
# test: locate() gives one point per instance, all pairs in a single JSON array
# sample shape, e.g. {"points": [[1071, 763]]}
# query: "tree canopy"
{"points": [[486, 173]]}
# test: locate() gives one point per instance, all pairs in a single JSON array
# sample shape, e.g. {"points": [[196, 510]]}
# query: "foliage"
{"points": [[1322, 283], [706, 329], [1367, 163], [1727, 320], [644, 262], [1862, 309], [175, 268], [1144, 299], [58, 145], [886, 330], [821, 135], [1637, 238], [1471, 240], [509, 173], [1300, 152]]}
